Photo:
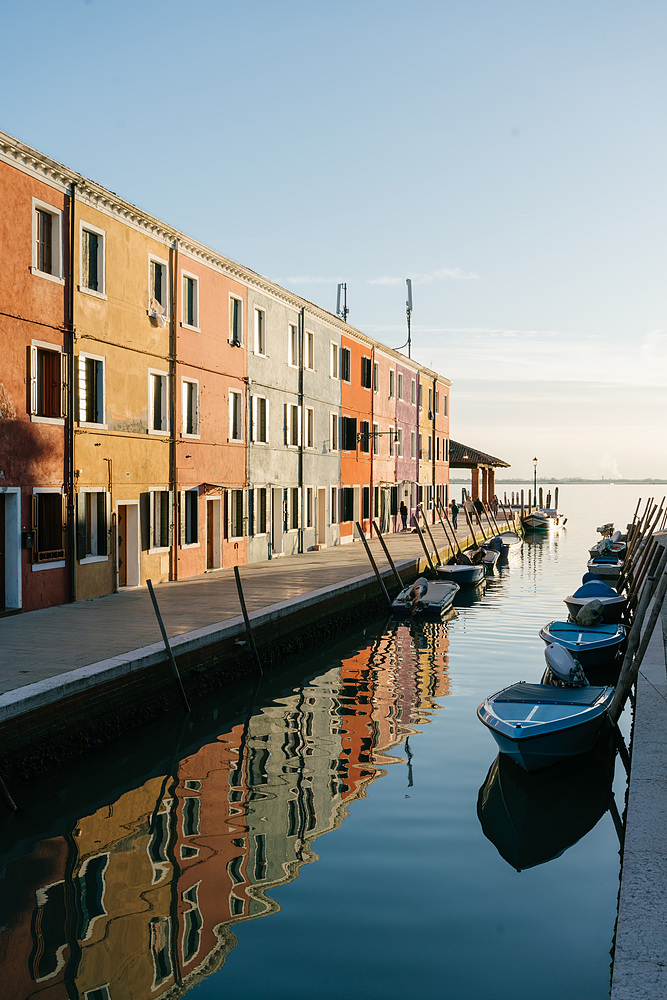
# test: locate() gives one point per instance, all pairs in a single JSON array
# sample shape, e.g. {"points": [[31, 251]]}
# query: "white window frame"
{"points": [[309, 512], [293, 345], [152, 259], [399, 386], [392, 383], [101, 292], [235, 398], [376, 439], [334, 360], [413, 443], [55, 563], [95, 558], [309, 428], [42, 345], [292, 414], [163, 430], [293, 508], [240, 340], [399, 442], [195, 279], [254, 415], [152, 547], [255, 511], [258, 346], [183, 515], [413, 392], [185, 381], [343, 351], [56, 273], [99, 359], [309, 350], [334, 432], [376, 376]]}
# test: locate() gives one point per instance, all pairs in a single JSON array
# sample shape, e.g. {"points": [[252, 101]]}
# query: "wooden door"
{"points": [[210, 507], [2, 550], [122, 545]]}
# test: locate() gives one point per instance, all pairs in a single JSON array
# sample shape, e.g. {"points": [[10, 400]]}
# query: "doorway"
{"points": [[128, 548], [214, 533], [321, 517], [277, 521], [10, 549]]}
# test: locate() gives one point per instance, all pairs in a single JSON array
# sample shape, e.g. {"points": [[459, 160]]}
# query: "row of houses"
{"points": [[165, 412]]}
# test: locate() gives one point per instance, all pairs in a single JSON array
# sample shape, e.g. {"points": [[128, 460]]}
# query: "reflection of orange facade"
{"points": [[355, 465]]}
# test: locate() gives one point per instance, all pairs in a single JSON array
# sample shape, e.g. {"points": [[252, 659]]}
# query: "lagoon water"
{"points": [[327, 831]]}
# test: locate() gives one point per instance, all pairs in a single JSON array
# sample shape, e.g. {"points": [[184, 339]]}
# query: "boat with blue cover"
{"points": [[605, 566], [537, 725], [613, 604], [592, 646]]}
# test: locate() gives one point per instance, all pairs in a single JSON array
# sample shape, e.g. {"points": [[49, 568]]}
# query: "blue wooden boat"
{"points": [[613, 603], [465, 575], [605, 566], [594, 646], [425, 597]]}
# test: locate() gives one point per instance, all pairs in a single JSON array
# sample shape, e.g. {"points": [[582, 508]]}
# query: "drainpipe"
{"points": [[69, 472], [302, 321], [172, 412]]}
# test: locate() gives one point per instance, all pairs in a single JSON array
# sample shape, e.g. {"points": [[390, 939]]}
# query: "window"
{"points": [[420, 446], [413, 391], [444, 405], [366, 503], [47, 259], [235, 416], [347, 503], [260, 429], [399, 442], [437, 401], [348, 434], [392, 375], [376, 439], [421, 387], [48, 525], [392, 434], [260, 332], [292, 425], [190, 301], [91, 389], [437, 449], [345, 364], [92, 522], [430, 401], [158, 291], [190, 407], [365, 436], [309, 506], [333, 360], [310, 350], [48, 382], [310, 428], [160, 523], [189, 516], [413, 443], [376, 377], [236, 513], [400, 385], [160, 949], [293, 345], [260, 512], [293, 518], [192, 924], [92, 269], [334, 505], [235, 321], [430, 448], [333, 439], [158, 402], [366, 373]]}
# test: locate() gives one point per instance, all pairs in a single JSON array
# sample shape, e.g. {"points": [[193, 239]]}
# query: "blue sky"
{"points": [[508, 157]]}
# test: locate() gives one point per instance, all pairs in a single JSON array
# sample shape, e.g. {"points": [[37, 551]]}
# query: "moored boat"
{"points": [[613, 604], [425, 597], [605, 566], [592, 646], [465, 575]]}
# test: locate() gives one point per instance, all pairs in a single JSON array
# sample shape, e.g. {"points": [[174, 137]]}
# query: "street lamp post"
{"points": [[535, 482]]}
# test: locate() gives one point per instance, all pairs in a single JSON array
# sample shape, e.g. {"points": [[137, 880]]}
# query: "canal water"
{"points": [[340, 829]]}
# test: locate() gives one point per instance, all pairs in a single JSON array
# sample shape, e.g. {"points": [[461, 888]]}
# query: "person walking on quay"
{"points": [[494, 505], [454, 507], [404, 515]]}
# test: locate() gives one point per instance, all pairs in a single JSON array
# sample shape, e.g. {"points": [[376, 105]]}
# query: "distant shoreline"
{"points": [[573, 482]]}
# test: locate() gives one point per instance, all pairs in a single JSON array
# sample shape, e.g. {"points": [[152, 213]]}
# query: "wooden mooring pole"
{"points": [[424, 545], [251, 638], [420, 510], [373, 563], [397, 575], [165, 639]]}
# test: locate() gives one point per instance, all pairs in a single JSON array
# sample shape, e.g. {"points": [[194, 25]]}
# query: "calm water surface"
{"points": [[317, 834]]}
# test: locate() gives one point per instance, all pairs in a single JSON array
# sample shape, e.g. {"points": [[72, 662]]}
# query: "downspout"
{"points": [[302, 321], [172, 412], [69, 478]]}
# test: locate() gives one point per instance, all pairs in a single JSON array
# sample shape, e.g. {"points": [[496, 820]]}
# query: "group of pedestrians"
{"points": [[454, 509]]}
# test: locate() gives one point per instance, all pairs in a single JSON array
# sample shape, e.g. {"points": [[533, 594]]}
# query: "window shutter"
{"points": [[245, 528], [146, 516], [228, 519], [182, 518], [168, 499], [64, 384], [252, 516], [81, 526], [33, 380], [103, 502], [287, 424]]}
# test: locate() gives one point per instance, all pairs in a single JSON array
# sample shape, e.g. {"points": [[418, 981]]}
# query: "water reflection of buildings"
{"points": [[139, 899]]}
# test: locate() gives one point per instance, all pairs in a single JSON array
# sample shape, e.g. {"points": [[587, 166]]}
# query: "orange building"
{"points": [[356, 371]]}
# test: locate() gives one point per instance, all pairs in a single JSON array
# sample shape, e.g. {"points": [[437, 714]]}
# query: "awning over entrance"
{"points": [[462, 456]]}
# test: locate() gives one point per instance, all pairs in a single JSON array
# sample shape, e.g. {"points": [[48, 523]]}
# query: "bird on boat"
{"points": [[416, 592]]}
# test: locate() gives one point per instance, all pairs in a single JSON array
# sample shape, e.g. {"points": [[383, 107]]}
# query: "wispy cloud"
{"points": [[440, 274]]}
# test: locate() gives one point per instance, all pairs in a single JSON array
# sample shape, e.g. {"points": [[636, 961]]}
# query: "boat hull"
{"points": [[436, 601], [464, 576], [612, 612], [595, 646], [537, 725], [605, 567]]}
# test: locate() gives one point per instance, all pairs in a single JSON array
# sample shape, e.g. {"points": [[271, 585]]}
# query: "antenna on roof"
{"points": [[408, 311], [344, 311]]}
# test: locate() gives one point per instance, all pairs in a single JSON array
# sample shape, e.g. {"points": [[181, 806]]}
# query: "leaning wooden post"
{"points": [[656, 587], [251, 638], [455, 547], [373, 563], [179, 682], [435, 547], [507, 520], [397, 576], [424, 545], [472, 530]]}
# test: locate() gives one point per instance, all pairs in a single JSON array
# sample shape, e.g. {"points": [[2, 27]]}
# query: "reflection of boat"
{"points": [[592, 646], [425, 597], [613, 603], [539, 724], [533, 818], [470, 595]]}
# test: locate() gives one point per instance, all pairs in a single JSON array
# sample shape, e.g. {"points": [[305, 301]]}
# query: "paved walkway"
{"points": [[45, 644]]}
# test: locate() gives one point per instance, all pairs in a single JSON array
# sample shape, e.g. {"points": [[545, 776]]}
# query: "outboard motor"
{"points": [[562, 668]]}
